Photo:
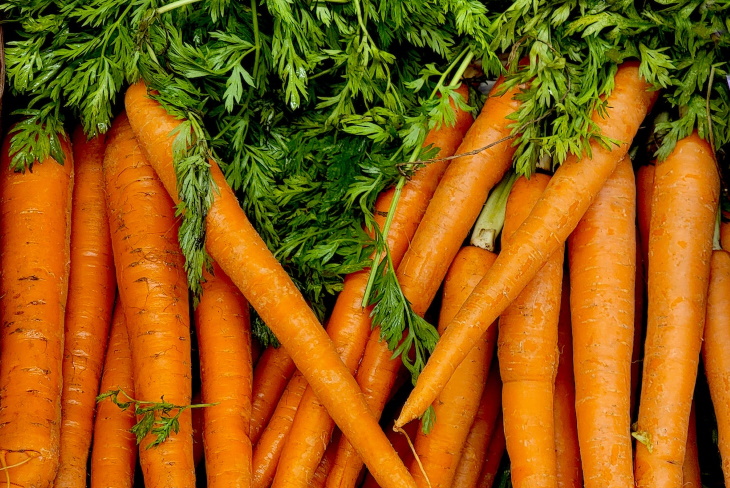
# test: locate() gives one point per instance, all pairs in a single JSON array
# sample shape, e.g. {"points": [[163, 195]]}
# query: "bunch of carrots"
{"points": [[598, 266]]}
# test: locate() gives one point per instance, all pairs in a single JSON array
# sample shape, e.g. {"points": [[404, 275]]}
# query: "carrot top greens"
{"points": [[310, 105]]}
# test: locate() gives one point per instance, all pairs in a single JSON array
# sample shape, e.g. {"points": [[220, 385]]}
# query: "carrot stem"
{"points": [[490, 222]]}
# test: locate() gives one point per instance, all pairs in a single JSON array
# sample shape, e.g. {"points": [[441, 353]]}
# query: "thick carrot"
{"points": [[602, 253], [267, 451], [495, 452], [35, 210], [684, 206], [528, 354], [569, 473], [88, 311], [715, 351], [153, 292], [235, 245], [224, 341], [482, 429], [691, 473], [440, 450], [114, 453], [571, 191], [270, 377], [350, 323]]}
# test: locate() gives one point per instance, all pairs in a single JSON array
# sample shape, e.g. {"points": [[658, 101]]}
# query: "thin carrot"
{"points": [[715, 349], [153, 292], [569, 194], [267, 451], [399, 439], [684, 206], [569, 472], [691, 473], [88, 311], [440, 450], [325, 465], [482, 429], [114, 453], [270, 377], [495, 452], [224, 341], [235, 245], [350, 323], [644, 192], [528, 354], [35, 210]]}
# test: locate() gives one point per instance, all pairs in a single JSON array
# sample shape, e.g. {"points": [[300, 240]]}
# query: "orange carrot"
{"points": [[115, 448], [267, 451], [602, 252], [439, 451], [570, 193], [224, 342], [683, 210], [644, 192], [400, 443], [35, 210], [154, 295], [691, 473], [350, 323], [569, 473], [270, 377], [235, 245], [528, 354], [325, 465], [714, 351], [88, 311], [495, 452], [482, 429]]}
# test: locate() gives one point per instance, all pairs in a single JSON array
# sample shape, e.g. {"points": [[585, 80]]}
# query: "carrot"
{"points": [[325, 465], [88, 311], [602, 253], [570, 192], [400, 443], [569, 472], [114, 453], [714, 351], [224, 341], [270, 377], [683, 210], [495, 451], [235, 245], [644, 192], [639, 321], [350, 323], [482, 429], [153, 292], [528, 354], [35, 209], [691, 473], [267, 451], [440, 450]]}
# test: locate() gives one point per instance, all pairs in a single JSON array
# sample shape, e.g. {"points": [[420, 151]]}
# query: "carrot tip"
{"points": [[399, 429]]}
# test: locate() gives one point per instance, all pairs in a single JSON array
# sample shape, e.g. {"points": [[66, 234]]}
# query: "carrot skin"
{"points": [[270, 377], [264, 282], [88, 311], [602, 253], [714, 351], [684, 206], [154, 295], [114, 453], [224, 342], [35, 210], [400, 443], [495, 452], [527, 349], [568, 196]]}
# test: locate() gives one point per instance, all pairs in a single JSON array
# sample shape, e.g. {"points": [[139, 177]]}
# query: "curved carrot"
{"points": [[569, 472], [270, 377], [35, 210], [482, 429], [88, 311], [691, 473], [715, 349], [114, 454], [350, 323], [235, 245], [602, 253], [528, 354], [495, 452], [439, 451], [570, 192], [153, 292], [683, 211], [224, 341], [267, 451]]}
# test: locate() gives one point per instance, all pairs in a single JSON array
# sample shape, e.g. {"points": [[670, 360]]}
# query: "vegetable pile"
{"points": [[191, 189]]}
